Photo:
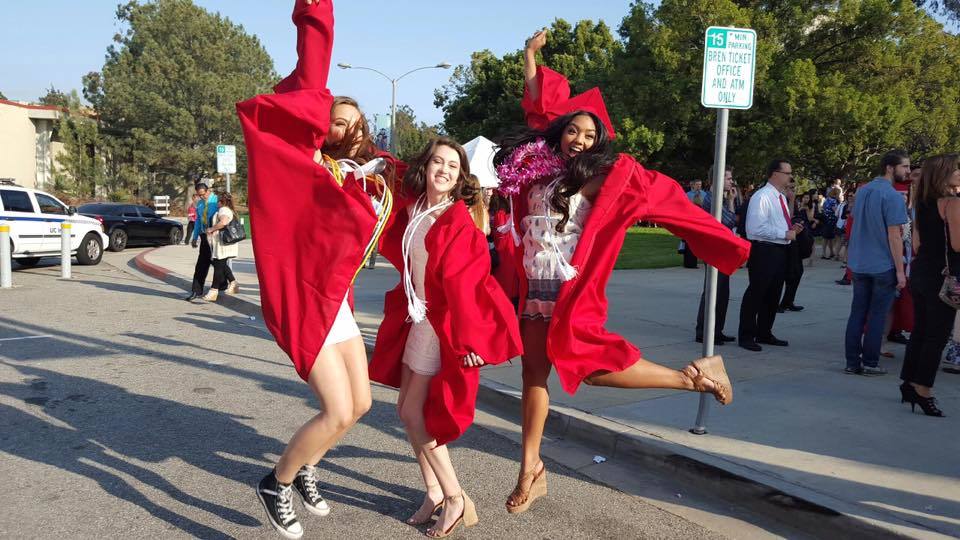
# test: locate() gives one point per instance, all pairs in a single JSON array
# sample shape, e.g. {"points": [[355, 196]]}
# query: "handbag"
{"points": [[950, 290], [233, 232]]}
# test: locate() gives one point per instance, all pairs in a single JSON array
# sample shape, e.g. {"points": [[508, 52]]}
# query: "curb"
{"points": [[235, 303], [814, 512]]}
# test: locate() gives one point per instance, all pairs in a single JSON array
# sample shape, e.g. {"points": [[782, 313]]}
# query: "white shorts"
{"points": [[344, 326]]}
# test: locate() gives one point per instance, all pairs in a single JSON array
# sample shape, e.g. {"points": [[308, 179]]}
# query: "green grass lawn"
{"points": [[647, 247]]}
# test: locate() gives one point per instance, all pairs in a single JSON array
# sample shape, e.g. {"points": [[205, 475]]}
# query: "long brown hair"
{"points": [[478, 210], [935, 178], [360, 129], [415, 181], [225, 199]]}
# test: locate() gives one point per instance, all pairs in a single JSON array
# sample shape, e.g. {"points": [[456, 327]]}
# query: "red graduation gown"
{"points": [[578, 344], [466, 308], [309, 233], [506, 271]]}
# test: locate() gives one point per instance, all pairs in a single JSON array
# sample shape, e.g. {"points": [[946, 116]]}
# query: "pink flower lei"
{"points": [[527, 164]]}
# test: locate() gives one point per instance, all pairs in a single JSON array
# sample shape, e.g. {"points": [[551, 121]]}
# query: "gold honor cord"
{"points": [[385, 208], [384, 214]]}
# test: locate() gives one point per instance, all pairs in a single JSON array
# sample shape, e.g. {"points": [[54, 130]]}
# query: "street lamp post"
{"points": [[393, 97]]}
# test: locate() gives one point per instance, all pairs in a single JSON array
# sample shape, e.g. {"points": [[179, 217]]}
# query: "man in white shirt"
{"points": [[769, 230]]}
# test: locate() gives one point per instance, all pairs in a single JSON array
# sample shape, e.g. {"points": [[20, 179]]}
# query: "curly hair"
{"points": [[591, 163], [415, 181]]}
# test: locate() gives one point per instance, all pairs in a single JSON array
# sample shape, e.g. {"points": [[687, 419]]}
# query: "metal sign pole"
{"points": [[710, 299]]}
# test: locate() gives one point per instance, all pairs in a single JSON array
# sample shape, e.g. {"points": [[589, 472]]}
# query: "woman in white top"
{"points": [[223, 279]]}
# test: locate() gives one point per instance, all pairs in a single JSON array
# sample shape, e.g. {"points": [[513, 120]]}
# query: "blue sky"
{"points": [[58, 41]]}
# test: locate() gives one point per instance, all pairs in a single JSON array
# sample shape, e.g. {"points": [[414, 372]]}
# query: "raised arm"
{"points": [[534, 44], [314, 21]]}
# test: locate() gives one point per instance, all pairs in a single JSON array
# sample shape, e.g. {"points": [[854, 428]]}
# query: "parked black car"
{"points": [[130, 224]]}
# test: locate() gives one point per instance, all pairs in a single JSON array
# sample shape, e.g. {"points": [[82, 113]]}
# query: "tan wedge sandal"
{"points": [[524, 498], [468, 518]]}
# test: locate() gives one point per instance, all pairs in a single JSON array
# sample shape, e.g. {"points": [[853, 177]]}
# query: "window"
{"points": [[49, 205], [130, 211], [16, 201], [147, 212]]}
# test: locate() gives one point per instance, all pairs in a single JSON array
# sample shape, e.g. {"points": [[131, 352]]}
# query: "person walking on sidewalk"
{"points": [[936, 234], [573, 201], [223, 279], [206, 210], [876, 260], [770, 232], [446, 318]]}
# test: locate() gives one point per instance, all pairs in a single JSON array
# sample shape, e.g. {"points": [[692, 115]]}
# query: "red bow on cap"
{"points": [[555, 101]]}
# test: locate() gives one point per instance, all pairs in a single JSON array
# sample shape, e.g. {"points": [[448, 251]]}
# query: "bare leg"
{"points": [[330, 382], [355, 360], [535, 400], [433, 495], [642, 374], [437, 457]]}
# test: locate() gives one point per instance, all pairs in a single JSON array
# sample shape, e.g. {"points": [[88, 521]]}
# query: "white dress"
{"points": [[539, 259], [344, 326], [422, 350]]}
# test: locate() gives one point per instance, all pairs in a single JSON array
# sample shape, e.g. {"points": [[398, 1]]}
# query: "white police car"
{"points": [[35, 218]]}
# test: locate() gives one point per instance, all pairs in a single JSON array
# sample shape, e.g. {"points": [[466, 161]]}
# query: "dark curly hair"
{"points": [[597, 161], [415, 181]]}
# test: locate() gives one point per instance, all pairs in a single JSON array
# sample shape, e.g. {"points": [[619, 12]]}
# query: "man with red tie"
{"points": [[770, 231]]}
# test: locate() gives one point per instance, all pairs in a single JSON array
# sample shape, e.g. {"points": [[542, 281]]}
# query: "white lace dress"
{"points": [[422, 350], [539, 257]]}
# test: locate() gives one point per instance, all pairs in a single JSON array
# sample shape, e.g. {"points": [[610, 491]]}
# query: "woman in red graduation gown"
{"points": [[313, 226], [572, 224], [447, 317]]}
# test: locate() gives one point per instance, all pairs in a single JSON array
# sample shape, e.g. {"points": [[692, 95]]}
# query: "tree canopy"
{"points": [[166, 94], [837, 84]]}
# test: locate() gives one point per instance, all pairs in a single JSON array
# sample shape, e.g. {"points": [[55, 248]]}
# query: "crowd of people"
{"points": [[896, 239]]}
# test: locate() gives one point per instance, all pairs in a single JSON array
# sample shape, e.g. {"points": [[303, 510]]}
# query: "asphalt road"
{"points": [[127, 412]]}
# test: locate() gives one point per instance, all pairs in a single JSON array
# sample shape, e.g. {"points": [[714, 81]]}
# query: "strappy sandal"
{"points": [[468, 518], [428, 519], [711, 369], [524, 498]]}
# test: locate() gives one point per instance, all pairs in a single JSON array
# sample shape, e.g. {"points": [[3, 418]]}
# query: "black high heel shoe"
{"points": [[928, 405], [908, 394]]}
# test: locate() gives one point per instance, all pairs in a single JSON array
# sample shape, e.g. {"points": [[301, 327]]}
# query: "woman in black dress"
{"points": [[936, 239]]}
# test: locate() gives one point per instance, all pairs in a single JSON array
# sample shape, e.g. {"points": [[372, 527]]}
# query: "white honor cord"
{"points": [[416, 307], [566, 270], [510, 226]]}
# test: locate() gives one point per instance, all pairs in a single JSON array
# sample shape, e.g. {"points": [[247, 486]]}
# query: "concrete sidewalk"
{"points": [[819, 445]]}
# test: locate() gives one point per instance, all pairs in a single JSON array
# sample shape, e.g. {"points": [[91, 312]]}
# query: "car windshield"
{"points": [[100, 209]]}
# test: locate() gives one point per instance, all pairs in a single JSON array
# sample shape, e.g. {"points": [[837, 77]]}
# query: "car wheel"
{"points": [[90, 251], [118, 240], [27, 261], [175, 236]]}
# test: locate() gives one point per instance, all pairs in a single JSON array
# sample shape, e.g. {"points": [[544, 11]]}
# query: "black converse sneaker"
{"points": [[277, 500], [306, 484]]}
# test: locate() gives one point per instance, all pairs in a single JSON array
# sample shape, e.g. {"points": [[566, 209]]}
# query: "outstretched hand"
{"points": [[473, 360], [537, 41]]}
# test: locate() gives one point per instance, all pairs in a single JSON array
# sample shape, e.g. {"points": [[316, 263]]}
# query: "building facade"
{"points": [[28, 145]]}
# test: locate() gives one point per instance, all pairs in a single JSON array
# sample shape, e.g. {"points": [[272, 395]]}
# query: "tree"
{"points": [[483, 98], [167, 91], [80, 169], [2, 96], [411, 136], [55, 98]]}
